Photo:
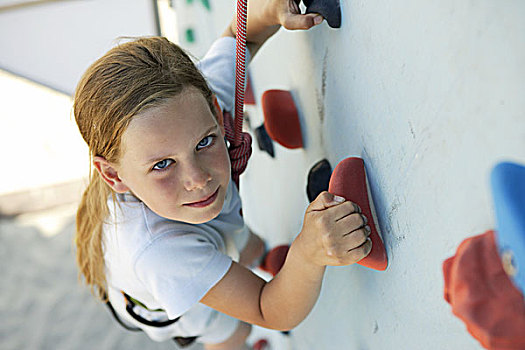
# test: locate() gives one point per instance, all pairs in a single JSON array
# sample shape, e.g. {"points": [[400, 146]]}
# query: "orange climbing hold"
{"points": [[348, 180], [281, 120]]}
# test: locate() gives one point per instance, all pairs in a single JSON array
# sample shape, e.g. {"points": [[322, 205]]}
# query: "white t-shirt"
{"points": [[168, 264]]}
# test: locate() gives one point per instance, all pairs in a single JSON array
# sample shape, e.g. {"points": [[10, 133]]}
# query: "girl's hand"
{"points": [[265, 17], [288, 14], [334, 232]]}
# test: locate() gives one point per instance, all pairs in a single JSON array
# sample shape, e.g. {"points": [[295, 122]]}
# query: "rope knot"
{"points": [[239, 151], [240, 154]]}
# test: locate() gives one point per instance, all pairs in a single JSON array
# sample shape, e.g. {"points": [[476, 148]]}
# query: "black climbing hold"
{"points": [[264, 141], [329, 9], [318, 179]]}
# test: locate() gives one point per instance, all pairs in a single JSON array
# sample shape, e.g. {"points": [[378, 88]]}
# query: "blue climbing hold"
{"points": [[508, 191]]}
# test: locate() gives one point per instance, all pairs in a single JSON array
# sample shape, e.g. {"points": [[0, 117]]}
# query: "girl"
{"points": [[159, 232]]}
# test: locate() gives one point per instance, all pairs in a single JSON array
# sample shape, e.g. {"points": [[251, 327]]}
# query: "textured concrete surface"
{"points": [[429, 94]]}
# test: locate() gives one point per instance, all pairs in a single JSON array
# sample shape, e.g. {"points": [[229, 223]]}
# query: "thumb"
{"points": [[297, 21], [324, 201]]}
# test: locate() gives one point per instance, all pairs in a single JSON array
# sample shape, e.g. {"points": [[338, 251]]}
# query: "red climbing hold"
{"points": [[483, 296], [349, 181], [249, 96], [261, 344], [281, 120], [274, 259]]}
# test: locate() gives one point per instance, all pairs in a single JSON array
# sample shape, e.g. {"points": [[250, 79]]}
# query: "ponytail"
{"points": [[91, 214]]}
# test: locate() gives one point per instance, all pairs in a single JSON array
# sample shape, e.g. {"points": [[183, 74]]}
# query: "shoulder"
{"points": [[220, 49], [175, 262], [179, 265], [218, 67]]}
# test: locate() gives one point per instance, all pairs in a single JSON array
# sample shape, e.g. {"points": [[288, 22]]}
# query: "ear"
{"points": [[218, 114], [109, 174]]}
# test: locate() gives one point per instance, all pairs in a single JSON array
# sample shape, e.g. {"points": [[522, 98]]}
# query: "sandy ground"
{"points": [[42, 304]]}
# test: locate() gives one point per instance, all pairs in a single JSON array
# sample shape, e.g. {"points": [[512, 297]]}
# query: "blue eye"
{"points": [[206, 142], [163, 164]]}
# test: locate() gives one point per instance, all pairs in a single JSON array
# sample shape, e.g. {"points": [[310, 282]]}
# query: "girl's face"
{"points": [[175, 159]]}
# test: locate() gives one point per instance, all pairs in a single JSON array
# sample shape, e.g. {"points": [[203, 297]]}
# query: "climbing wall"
{"points": [[430, 94], [194, 25], [198, 23]]}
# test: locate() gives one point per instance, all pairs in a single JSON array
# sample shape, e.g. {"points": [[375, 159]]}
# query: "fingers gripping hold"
{"points": [[324, 201], [340, 228], [290, 16], [360, 252], [294, 21]]}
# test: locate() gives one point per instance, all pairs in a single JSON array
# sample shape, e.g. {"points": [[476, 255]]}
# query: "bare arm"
{"points": [[332, 234], [265, 17]]}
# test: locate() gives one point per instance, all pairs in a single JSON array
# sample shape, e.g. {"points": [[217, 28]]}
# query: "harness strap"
{"points": [[117, 318], [181, 341], [130, 308]]}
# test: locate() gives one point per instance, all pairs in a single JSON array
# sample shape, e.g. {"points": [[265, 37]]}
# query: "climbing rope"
{"points": [[239, 154], [240, 67], [240, 142]]}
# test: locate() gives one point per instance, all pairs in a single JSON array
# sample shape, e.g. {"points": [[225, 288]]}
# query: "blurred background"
{"points": [[430, 94]]}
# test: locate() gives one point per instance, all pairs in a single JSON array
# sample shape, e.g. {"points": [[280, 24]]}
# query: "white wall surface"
{"points": [[430, 94], [54, 42]]}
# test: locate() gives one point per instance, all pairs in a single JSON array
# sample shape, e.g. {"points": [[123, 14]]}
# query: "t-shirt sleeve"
{"points": [[179, 269], [218, 67]]}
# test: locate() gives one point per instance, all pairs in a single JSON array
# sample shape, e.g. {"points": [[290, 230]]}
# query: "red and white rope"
{"points": [[240, 142], [239, 154], [240, 67]]}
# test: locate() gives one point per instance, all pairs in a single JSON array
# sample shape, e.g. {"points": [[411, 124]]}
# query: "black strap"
{"points": [[129, 308], [117, 318], [181, 341]]}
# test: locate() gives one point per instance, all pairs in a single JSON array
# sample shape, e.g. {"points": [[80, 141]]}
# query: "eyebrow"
{"points": [[156, 159]]}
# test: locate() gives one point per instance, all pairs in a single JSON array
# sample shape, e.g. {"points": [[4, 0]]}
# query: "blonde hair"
{"points": [[128, 79]]}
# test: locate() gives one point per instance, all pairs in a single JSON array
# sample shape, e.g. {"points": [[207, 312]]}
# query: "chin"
{"points": [[196, 215], [203, 215]]}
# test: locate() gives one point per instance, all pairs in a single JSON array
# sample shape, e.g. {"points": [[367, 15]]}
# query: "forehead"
{"points": [[178, 121]]}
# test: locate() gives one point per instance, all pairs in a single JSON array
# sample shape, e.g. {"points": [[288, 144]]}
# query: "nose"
{"points": [[196, 176]]}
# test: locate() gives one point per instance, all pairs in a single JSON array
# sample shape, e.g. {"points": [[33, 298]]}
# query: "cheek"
{"points": [[164, 182], [162, 189], [223, 160]]}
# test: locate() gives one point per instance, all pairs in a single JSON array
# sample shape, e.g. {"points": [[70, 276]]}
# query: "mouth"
{"points": [[204, 202]]}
